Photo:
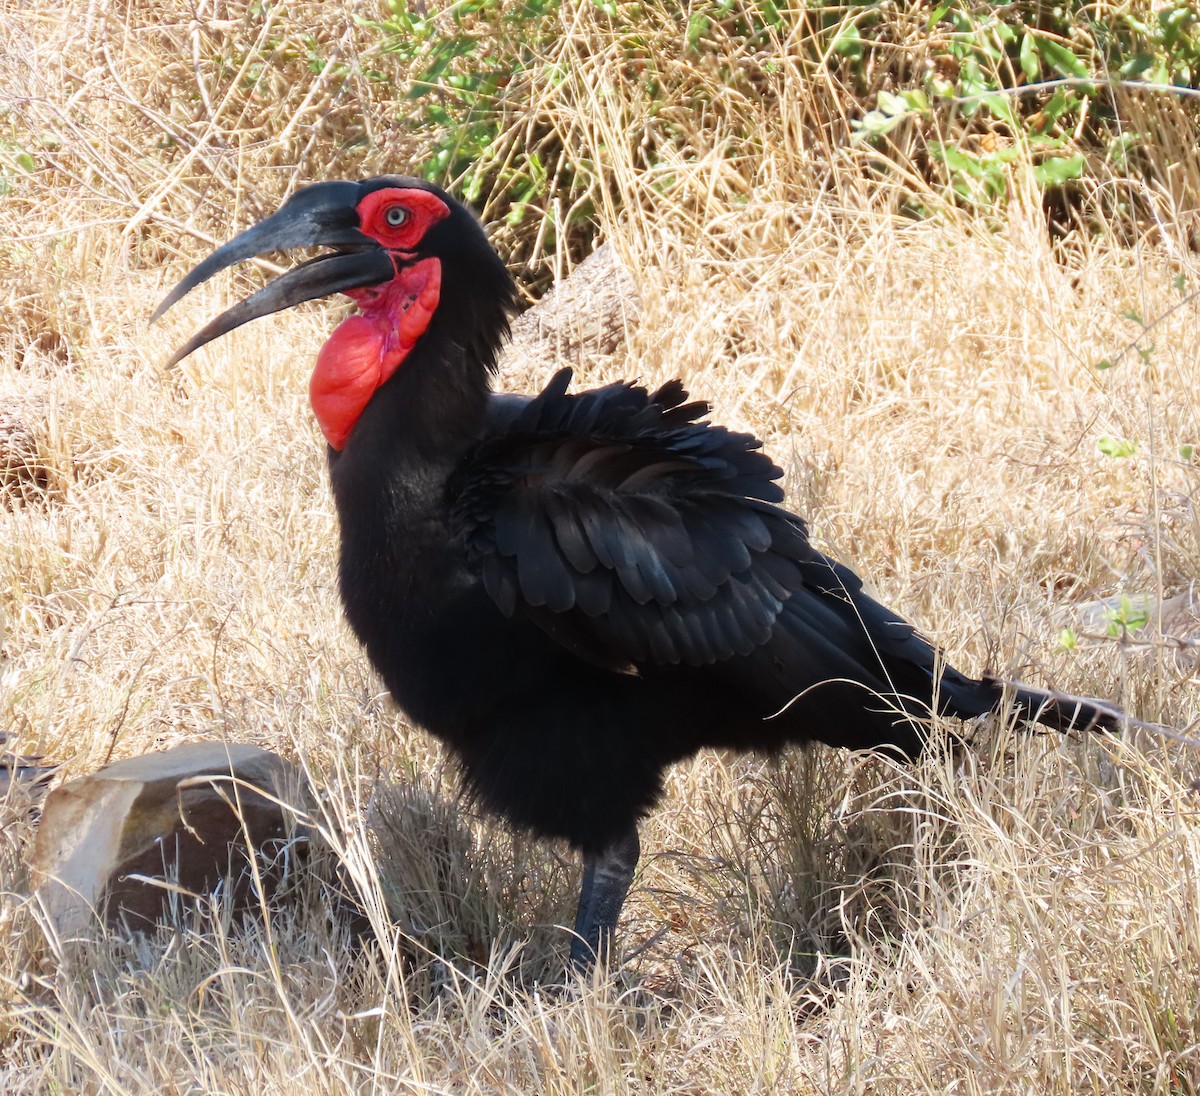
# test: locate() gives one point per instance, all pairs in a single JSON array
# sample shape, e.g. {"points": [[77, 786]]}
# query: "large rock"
{"points": [[126, 842], [1144, 624], [589, 312]]}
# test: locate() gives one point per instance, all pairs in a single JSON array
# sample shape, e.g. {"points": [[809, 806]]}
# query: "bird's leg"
{"points": [[606, 879]]}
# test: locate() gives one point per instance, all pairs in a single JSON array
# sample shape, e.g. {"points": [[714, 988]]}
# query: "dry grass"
{"points": [[1017, 916]]}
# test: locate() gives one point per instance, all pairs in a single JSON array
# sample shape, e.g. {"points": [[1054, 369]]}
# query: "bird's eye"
{"points": [[395, 216]]}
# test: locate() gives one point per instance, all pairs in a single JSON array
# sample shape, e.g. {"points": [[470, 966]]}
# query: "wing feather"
{"points": [[628, 528]]}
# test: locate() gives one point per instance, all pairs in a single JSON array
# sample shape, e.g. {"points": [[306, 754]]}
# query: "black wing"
{"points": [[633, 533], [628, 529]]}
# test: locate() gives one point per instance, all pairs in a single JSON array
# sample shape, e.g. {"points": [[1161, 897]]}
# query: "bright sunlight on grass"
{"points": [[968, 333]]}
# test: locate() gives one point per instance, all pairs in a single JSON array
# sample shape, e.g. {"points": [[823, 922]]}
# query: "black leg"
{"points": [[606, 880]]}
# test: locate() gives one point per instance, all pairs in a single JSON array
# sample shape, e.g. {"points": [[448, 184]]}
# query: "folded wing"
{"points": [[629, 529]]}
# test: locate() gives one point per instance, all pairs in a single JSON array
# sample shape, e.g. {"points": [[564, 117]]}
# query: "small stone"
{"points": [[126, 842]]}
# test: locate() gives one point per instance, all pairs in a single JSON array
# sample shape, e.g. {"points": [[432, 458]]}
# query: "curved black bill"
{"points": [[318, 278], [321, 215]]}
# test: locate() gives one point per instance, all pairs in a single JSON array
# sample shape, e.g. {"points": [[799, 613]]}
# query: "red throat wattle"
{"points": [[367, 348]]}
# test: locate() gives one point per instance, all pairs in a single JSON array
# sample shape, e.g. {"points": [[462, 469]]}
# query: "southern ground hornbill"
{"points": [[572, 590]]}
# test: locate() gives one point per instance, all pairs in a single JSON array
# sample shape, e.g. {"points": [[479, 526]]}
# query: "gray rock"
{"points": [[1143, 624], [125, 843], [590, 312]]}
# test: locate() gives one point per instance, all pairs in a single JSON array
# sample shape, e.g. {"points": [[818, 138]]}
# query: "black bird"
{"points": [[571, 590]]}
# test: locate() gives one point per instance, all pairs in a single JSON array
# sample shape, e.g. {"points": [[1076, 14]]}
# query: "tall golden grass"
{"points": [[1017, 915]]}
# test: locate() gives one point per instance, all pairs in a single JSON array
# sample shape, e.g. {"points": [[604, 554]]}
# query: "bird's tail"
{"points": [[1062, 711]]}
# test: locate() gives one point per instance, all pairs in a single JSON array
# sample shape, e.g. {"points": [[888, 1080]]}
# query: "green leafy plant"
{"points": [[477, 68], [1027, 83], [1126, 616], [1118, 448], [968, 94]]}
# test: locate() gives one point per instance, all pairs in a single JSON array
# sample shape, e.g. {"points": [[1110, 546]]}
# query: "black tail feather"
{"points": [[1063, 711]]}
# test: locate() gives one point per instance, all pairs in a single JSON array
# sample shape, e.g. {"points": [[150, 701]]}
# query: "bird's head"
{"points": [[407, 253]]}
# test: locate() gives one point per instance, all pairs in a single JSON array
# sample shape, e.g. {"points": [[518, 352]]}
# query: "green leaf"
{"points": [[1060, 58], [1117, 448], [891, 105], [1137, 66], [1186, 452], [1029, 58], [1104, 363], [957, 160], [473, 187], [1127, 616], [1062, 101], [1067, 639], [26, 162], [1134, 315], [890, 111], [938, 14], [1060, 169], [848, 42]]}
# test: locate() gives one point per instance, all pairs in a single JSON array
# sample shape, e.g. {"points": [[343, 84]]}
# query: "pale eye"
{"points": [[395, 216]]}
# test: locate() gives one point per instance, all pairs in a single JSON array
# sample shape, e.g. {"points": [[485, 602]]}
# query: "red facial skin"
{"points": [[367, 348]]}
